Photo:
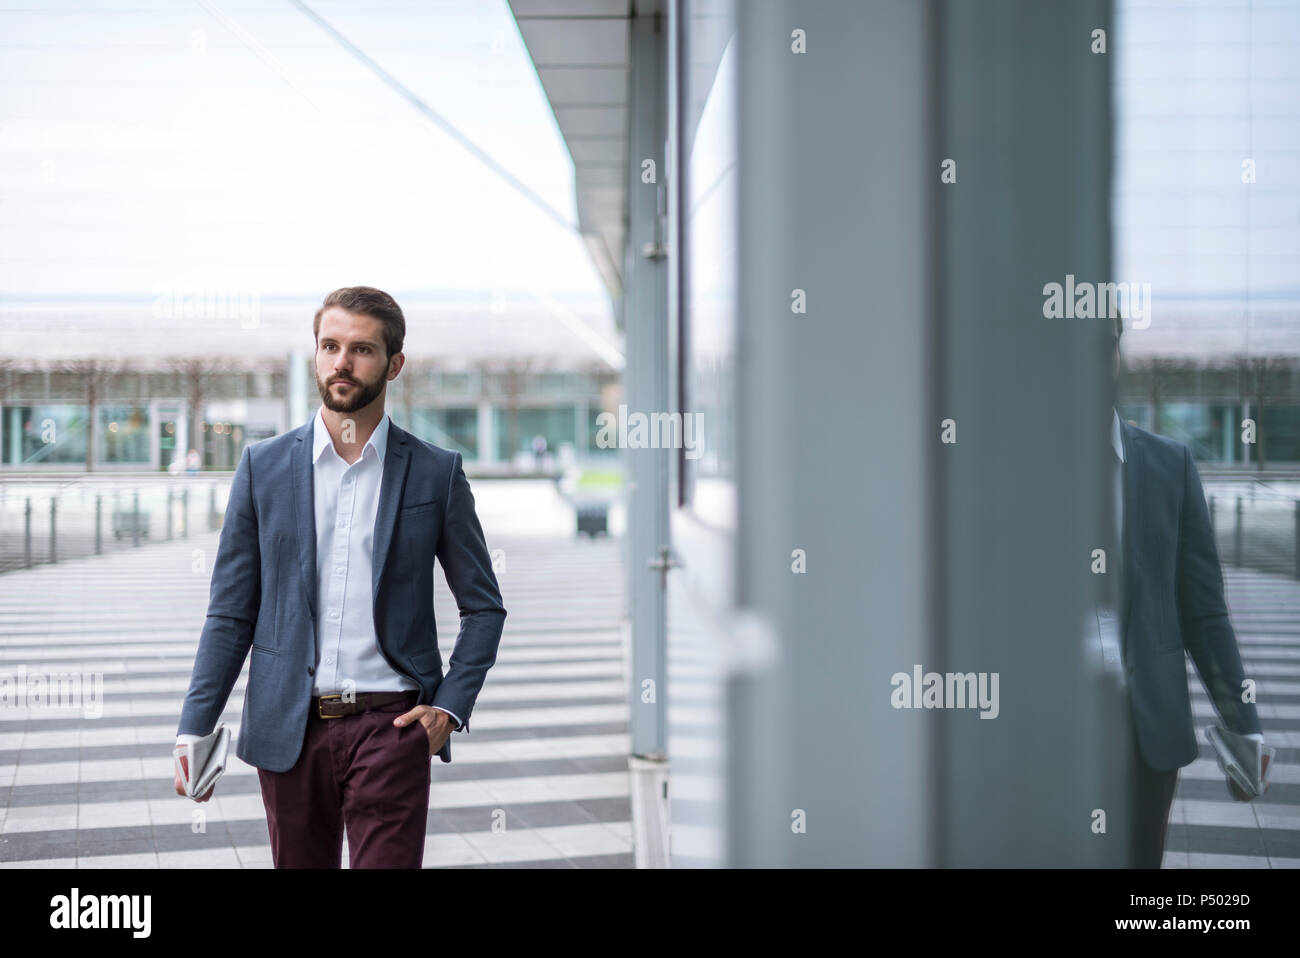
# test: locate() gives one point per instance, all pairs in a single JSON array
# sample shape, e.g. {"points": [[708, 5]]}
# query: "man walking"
{"points": [[1171, 605], [325, 572]]}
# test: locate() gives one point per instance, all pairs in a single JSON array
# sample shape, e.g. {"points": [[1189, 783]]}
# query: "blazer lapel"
{"points": [[304, 501], [397, 461]]}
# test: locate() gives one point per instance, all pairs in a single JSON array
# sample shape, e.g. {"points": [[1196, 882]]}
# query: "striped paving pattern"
{"points": [[540, 780], [1207, 828]]}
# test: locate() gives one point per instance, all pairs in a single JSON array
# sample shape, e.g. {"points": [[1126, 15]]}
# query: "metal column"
{"points": [[646, 383]]}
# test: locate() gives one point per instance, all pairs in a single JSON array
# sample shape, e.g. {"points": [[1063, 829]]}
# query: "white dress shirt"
{"points": [[346, 505]]}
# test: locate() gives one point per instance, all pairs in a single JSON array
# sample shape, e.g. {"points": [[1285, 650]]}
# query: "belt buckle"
{"points": [[321, 704]]}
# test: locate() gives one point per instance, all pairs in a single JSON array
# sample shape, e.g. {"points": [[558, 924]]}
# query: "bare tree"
{"points": [[416, 387], [204, 379], [516, 373], [97, 376]]}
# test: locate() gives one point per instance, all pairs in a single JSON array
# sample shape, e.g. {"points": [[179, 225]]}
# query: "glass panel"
{"points": [[516, 434], [455, 429], [169, 432], [1200, 426], [223, 444], [37, 435], [709, 266], [1280, 425], [123, 434]]}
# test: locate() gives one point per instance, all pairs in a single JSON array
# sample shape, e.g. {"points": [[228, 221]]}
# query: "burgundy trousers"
{"points": [[1153, 799], [358, 772]]}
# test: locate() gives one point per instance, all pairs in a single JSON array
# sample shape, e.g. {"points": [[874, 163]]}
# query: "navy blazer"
{"points": [[1173, 602], [263, 593]]}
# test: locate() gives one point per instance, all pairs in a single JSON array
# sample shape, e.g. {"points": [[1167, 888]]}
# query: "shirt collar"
{"points": [[1115, 439], [321, 437]]}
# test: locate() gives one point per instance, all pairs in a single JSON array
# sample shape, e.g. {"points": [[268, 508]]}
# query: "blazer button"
{"points": [[311, 670]]}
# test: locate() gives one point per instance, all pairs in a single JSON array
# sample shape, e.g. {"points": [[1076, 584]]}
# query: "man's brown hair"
{"points": [[372, 302]]}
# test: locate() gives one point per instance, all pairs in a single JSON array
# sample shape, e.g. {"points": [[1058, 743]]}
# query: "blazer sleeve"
{"points": [[1203, 613], [467, 565], [233, 602]]}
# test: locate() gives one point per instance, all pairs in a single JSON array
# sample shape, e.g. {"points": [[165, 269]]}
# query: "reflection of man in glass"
{"points": [[1170, 604]]}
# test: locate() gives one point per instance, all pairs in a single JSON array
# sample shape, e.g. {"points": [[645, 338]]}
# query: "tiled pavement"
{"points": [[1207, 829], [540, 780], [547, 754]]}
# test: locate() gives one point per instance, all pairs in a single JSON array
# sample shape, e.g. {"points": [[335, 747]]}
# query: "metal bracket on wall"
{"points": [[662, 563]]}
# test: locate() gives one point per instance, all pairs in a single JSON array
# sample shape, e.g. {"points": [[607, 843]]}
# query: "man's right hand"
{"points": [[180, 785]]}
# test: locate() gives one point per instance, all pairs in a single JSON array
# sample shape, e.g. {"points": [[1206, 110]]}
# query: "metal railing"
{"points": [[1256, 524], [49, 520]]}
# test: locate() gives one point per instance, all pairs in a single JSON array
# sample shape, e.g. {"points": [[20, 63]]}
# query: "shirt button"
{"points": [[334, 615], [338, 569]]}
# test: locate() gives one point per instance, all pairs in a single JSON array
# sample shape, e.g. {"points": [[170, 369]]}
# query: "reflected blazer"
{"points": [[1173, 603]]}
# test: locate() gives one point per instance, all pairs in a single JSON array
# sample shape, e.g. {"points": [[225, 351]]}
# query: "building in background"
{"points": [[171, 223], [482, 378]]}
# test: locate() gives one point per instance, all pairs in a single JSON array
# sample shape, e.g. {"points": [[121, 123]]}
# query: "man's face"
{"points": [[352, 365]]}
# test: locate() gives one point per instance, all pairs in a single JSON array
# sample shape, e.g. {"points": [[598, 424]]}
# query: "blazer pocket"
{"points": [[419, 507]]}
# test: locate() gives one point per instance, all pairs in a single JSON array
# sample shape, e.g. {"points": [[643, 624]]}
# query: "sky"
{"points": [[235, 145], [1201, 87]]}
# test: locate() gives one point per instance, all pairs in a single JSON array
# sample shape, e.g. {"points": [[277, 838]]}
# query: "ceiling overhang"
{"points": [[581, 50]]}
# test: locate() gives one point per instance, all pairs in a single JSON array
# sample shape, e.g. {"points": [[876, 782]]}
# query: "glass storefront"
{"points": [[223, 444], [42, 435], [515, 431], [1213, 431], [455, 429], [122, 435]]}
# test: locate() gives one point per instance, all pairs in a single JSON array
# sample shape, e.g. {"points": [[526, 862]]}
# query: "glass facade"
{"points": [[122, 435], [1213, 431], [710, 250], [47, 434], [516, 429], [1280, 427], [223, 444], [455, 429]]}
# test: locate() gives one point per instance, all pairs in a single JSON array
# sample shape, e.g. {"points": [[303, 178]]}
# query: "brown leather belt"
{"points": [[333, 706]]}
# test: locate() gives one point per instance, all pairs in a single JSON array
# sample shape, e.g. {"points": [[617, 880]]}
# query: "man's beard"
{"points": [[361, 394]]}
